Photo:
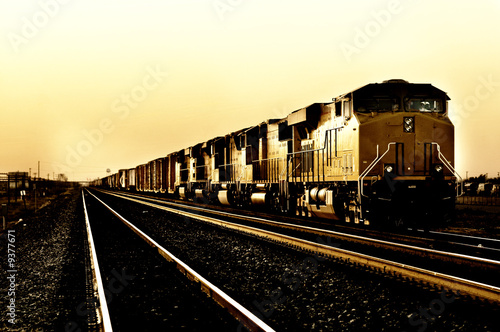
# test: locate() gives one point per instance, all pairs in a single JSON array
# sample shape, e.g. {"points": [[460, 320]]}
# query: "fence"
{"points": [[18, 188], [479, 200], [14, 184]]}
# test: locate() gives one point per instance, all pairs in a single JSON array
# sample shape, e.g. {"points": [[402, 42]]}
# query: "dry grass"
{"points": [[21, 209]]}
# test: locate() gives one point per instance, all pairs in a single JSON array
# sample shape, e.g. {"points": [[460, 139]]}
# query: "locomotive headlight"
{"points": [[388, 168], [408, 124], [438, 168]]}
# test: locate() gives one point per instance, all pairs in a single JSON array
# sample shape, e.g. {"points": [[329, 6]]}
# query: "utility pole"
{"points": [[4, 213], [15, 186], [34, 189]]}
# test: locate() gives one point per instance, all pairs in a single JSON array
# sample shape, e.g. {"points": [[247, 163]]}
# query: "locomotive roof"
{"points": [[396, 87], [393, 87]]}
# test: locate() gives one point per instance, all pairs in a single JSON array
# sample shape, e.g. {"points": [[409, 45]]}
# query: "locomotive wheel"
{"points": [[276, 204]]}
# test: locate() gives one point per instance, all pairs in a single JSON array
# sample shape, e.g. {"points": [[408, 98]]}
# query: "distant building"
{"points": [[18, 180], [3, 183]]}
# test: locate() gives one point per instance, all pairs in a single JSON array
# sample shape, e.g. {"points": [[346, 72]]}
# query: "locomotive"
{"points": [[381, 154]]}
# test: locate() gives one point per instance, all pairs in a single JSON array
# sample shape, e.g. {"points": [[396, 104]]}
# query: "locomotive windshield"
{"points": [[377, 105], [424, 105]]}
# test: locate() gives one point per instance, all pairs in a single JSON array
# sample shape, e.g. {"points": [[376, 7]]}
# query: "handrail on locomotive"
{"points": [[450, 168]]}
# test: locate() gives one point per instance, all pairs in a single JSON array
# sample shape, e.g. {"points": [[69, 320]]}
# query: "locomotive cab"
{"points": [[406, 153]]}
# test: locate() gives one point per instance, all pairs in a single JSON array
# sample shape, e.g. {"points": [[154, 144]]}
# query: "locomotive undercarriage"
{"points": [[387, 202], [324, 200], [331, 200], [410, 203]]}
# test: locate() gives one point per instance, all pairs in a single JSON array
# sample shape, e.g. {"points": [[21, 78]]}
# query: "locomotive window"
{"points": [[338, 109], [347, 109], [425, 105], [377, 105]]}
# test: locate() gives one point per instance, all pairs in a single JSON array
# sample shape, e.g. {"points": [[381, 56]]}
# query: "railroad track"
{"points": [[471, 288], [470, 241], [459, 243], [97, 306], [422, 247], [102, 318]]}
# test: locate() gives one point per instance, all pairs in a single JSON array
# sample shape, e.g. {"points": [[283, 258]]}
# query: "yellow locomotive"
{"points": [[382, 153]]}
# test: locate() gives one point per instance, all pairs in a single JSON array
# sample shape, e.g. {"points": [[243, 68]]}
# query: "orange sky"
{"points": [[90, 85]]}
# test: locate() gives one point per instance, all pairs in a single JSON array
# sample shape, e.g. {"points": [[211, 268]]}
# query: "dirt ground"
{"points": [[476, 220], [20, 209]]}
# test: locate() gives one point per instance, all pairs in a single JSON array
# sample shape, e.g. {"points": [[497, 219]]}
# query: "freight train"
{"points": [[381, 154]]}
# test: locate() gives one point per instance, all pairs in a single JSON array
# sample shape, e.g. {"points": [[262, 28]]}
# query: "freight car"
{"points": [[382, 153]]}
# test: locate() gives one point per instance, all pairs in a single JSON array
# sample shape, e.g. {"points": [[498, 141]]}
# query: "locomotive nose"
{"points": [[415, 149]]}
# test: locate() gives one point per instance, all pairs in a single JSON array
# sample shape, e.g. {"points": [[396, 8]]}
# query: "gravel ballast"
{"points": [[144, 291], [49, 260]]}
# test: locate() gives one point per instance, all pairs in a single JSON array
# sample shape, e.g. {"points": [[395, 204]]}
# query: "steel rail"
{"points": [[252, 322], [464, 286], [468, 237], [103, 318], [383, 244]]}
